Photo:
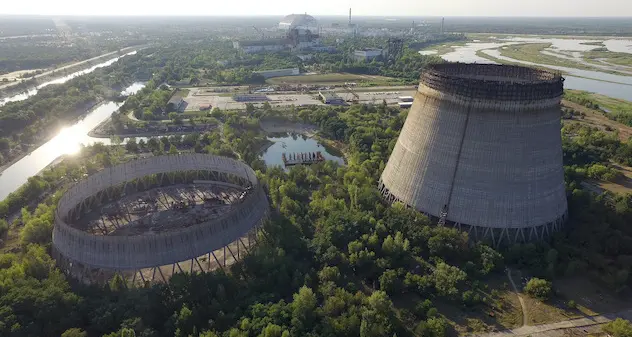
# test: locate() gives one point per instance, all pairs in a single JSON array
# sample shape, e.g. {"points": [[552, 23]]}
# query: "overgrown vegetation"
{"points": [[615, 109], [334, 260]]}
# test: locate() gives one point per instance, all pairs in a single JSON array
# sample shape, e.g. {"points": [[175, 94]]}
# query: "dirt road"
{"points": [[579, 326], [523, 305]]}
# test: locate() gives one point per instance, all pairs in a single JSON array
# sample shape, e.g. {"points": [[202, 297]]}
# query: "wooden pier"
{"points": [[302, 158]]}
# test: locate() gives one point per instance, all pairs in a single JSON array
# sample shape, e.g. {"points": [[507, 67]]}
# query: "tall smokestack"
{"points": [[442, 22], [349, 16]]}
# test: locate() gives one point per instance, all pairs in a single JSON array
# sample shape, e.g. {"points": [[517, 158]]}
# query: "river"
{"points": [[32, 91], [66, 142], [616, 86]]}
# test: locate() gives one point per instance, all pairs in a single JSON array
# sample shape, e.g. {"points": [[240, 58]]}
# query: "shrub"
{"points": [[618, 328], [538, 288]]}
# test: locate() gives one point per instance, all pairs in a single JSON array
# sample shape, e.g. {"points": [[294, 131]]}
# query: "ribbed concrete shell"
{"points": [[481, 147], [143, 251]]}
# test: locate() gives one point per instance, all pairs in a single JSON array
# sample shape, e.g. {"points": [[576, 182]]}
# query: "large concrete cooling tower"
{"points": [[481, 150]]}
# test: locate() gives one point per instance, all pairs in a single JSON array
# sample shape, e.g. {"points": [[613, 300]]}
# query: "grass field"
{"points": [[501, 310], [335, 78], [590, 300], [597, 118], [622, 59], [531, 52], [594, 43], [539, 312]]}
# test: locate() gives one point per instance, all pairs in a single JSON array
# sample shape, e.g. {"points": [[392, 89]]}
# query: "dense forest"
{"points": [[333, 260]]}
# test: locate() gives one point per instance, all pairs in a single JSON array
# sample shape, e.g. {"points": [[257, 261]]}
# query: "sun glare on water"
{"points": [[67, 141]]}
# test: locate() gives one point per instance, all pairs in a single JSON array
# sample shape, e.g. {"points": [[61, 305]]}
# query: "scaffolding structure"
{"points": [[207, 240]]}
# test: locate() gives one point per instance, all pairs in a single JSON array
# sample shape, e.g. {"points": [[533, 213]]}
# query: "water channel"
{"points": [[294, 143], [68, 141], [617, 86], [32, 91]]}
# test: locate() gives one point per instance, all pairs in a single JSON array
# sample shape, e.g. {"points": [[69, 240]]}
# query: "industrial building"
{"points": [[299, 21], [176, 103], [368, 54], [481, 151], [258, 46], [149, 218], [301, 32], [329, 97], [279, 72], [250, 97]]}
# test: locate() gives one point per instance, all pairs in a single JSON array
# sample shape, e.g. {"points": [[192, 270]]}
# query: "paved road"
{"points": [[554, 329]]}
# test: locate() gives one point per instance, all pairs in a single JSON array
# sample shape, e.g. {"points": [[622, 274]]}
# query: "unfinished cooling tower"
{"points": [[481, 150]]}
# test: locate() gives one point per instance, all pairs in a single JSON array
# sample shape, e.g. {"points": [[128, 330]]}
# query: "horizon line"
{"points": [[324, 15]]}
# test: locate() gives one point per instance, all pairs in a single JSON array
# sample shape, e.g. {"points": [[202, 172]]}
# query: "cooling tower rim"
{"points": [[493, 82], [509, 73]]}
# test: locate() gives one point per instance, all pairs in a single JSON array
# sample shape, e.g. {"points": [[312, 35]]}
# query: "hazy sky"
{"points": [[323, 7]]}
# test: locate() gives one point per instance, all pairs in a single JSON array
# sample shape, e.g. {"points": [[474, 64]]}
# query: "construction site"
{"points": [[150, 218]]}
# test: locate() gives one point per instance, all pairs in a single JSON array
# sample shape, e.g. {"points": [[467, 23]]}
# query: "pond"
{"points": [[295, 143]]}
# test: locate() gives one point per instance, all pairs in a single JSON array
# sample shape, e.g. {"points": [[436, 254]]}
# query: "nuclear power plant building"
{"points": [[481, 150]]}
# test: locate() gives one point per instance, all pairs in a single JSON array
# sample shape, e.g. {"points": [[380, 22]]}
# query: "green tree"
{"points": [[217, 113], [36, 230], [432, 327], [538, 288], [390, 282], [303, 309], [184, 322], [447, 278], [376, 316], [74, 332], [173, 149], [131, 145], [273, 330]]}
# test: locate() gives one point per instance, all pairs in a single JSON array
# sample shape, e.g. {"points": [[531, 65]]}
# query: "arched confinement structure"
{"points": [[481, 150], [155, 249]]}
